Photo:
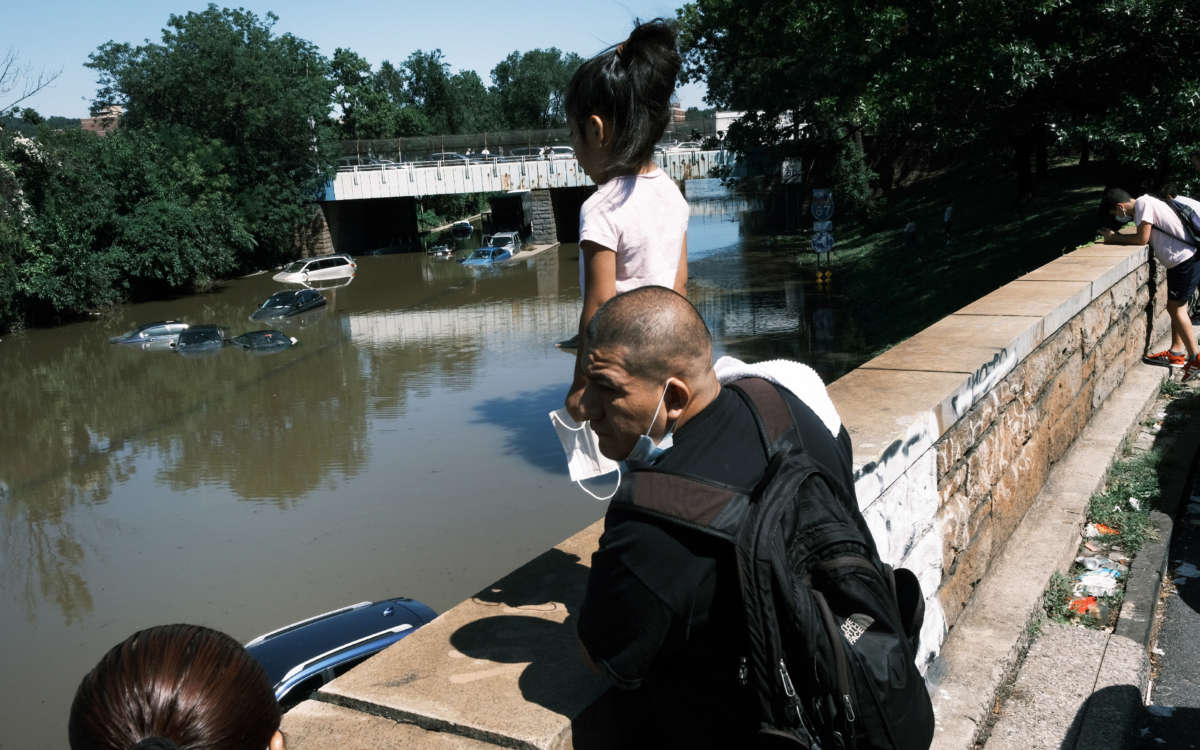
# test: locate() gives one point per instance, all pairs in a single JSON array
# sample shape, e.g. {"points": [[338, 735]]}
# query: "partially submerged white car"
{"points": [[320, 268]]}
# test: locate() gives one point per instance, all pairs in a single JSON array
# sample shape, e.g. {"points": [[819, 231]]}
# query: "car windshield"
{"points": [[198, 337], [282, 299], [482, 252], [502, 241], [295, 266]]}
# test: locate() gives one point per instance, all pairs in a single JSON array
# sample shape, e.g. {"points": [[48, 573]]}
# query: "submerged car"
{"points": [[200, 340], [486, 256], [265, 342], [303, 656], [158, 335], [317, 269], [286, 304]]}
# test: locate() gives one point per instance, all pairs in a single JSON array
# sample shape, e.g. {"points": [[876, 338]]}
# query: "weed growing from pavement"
{"points": [[1172, 388], [1133, 477], [1123, 506], [1057, 597]]}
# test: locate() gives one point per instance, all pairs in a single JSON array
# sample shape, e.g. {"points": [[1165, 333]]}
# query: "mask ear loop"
{"points": [[610, 495]]}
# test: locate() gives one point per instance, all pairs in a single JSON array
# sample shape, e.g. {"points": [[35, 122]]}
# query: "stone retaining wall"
{"points": [[984, 402], [954, 431]]}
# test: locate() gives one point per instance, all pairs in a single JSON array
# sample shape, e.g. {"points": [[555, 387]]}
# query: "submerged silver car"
{"points": [[321, 268], [161, 334]]}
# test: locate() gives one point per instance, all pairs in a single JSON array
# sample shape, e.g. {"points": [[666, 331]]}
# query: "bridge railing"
{"points": [[368, 164]]}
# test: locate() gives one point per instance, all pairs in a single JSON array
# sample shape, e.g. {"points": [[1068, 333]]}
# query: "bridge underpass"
{"points": [[373, 206]]}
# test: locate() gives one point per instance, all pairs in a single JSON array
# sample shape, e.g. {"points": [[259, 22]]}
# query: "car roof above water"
{"points": [[280, 651]]}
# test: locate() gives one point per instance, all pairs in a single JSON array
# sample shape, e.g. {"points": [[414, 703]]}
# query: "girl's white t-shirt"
{"points": [[643, 218]]}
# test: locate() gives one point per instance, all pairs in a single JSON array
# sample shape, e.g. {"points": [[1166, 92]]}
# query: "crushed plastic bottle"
{"points": [[1102, 563]]}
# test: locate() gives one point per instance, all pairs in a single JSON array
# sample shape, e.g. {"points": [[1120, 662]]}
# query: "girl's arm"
{"points": [[681, 270], [600, 284]]}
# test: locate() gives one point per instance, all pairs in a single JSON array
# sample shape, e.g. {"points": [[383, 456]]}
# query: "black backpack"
{"points": [[830, 630], [1190, 220]]}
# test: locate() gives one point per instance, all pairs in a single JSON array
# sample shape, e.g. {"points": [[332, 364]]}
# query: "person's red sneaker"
{"points": [[1190, 369], [1166, 358]]}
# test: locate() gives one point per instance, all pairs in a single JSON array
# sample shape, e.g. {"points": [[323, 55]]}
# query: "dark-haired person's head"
{"points": [[627, 89], [1114, 200], [648, 366], [176, 686]]}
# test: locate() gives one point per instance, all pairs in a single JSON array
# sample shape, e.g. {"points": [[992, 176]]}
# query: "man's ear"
{"points": [[676, 399]]}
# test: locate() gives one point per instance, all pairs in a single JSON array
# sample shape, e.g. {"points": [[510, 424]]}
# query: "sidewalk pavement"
{"points": [[1083, 689]]}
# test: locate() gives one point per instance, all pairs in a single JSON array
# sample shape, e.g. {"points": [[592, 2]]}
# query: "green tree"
{"points": [[472, 104], [223, 75], [367, 109], [530, 87], [426, 82]]}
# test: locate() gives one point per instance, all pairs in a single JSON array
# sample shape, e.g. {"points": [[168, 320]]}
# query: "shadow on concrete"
{"points": [[556, 676], [1106, 720], [1178, 474], [1162, 727], [528, 433], [1151, 305]]}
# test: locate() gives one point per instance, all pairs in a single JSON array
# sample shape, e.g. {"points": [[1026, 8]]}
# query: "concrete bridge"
{"points": [[977, 443], [370, 206], [494, 175]]}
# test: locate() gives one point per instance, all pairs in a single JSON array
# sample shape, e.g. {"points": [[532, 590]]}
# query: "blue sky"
{"points": [[53, 34]]}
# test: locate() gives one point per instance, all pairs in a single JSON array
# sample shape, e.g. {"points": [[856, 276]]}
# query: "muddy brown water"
{"points": [[402, 448]]}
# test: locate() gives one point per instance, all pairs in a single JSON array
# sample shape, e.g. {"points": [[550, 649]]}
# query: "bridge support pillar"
{"points": [[543, 228]]}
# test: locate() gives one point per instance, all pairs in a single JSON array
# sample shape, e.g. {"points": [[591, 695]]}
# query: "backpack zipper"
{"points": [[843, 666]]}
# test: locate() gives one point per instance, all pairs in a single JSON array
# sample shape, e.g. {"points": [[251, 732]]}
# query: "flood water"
{"points": [[402, 448]]}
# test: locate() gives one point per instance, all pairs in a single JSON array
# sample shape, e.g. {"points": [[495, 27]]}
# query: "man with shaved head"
{"points": [[662, 616]]}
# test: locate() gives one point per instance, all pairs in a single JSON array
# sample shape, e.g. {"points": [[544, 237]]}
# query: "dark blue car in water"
{"points": [[303, 656], [288, 303]]}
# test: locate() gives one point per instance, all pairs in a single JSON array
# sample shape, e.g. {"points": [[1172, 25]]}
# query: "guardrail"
{"points": [[378, 165]]}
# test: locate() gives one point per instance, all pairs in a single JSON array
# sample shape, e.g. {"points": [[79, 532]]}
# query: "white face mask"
{"points": [[645, 451], [582, 448]]}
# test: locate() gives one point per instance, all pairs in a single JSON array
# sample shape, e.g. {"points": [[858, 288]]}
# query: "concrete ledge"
{"points": [[314, 725], [983, 648], [502, 668]]}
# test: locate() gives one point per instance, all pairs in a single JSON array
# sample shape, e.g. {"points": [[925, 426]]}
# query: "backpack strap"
{"points": [[771, 412], [679, 496], [1184, 220]]}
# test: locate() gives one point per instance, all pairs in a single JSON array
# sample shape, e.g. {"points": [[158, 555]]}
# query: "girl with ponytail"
{"points": [[633, 230]]}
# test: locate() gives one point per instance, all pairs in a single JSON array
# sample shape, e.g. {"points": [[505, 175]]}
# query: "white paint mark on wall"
{"points": [[899, 497]]}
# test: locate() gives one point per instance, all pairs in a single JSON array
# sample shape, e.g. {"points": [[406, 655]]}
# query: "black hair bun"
{"points": [[652, 38]]}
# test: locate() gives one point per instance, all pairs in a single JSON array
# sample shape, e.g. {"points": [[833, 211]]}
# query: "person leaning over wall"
{"points": [[175, 687], [1159, 226]]}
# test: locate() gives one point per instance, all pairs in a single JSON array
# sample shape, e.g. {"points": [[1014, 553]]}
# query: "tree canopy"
{"points": [[1023, 76], [223, 76]]}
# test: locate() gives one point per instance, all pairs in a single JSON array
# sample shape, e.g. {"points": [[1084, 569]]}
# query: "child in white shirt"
{"points": [[633, 230]]}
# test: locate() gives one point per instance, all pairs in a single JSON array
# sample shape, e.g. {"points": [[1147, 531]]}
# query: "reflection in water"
{"points": [[401, 448]]}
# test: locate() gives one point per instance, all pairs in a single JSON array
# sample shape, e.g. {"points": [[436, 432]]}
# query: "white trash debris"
{"points": [[1102, 564], [1133, 503], [1097, 583]]}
